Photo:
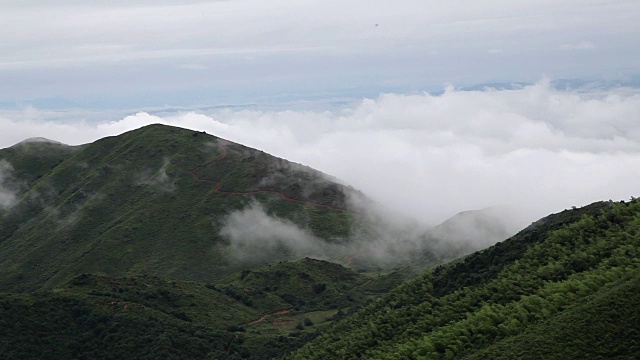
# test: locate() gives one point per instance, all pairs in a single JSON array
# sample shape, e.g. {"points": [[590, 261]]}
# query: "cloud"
{"points": [[92, 52], [429, 157], [253, 235], [158, 179], [582, 45], [8, 192]]}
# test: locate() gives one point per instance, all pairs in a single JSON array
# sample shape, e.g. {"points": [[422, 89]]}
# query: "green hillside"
{"points": [[311, 284], [565, 287], [150, 201], [250, 315]]}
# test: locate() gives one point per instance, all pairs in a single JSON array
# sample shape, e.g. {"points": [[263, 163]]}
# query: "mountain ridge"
{"points": [[100, 205], [557, 268]]}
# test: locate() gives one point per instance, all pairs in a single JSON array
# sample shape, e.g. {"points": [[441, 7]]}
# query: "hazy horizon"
{"points": [[428, 157]]}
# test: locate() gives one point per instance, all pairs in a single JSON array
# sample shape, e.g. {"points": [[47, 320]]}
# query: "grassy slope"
{"points": [[555, 272], [119, 207]]}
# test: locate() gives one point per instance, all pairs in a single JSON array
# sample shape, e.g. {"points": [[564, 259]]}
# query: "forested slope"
{"points": [[538, 288]]}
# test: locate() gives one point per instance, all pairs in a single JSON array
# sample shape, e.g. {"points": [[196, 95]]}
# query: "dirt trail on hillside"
{"points": [[218, 185], [350, 259], [261, 319]]}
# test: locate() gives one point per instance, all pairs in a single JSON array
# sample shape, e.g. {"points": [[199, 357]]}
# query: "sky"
{"points": [[368, 91], [123, 54]]}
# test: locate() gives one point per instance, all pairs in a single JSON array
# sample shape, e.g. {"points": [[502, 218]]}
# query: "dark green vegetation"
{"points": [[252, 315], [564, 288], [51, 326], [130, 205], [308, 283]]}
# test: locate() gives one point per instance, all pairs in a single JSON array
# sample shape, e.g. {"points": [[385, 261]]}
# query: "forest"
{"points": [[564, 288]]}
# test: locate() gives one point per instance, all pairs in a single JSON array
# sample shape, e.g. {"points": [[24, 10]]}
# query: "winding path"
{"points": [[350, 259], [218, 186], [261, 319]]}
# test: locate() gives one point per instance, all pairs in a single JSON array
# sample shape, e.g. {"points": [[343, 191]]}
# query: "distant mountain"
{"points": [[474, 230], [152, 201], [565, 287]]}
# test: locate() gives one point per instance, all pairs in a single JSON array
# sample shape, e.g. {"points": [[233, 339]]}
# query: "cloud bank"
{"points": [[429, 157]]}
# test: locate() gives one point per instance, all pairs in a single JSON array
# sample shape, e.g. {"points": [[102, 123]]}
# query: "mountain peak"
{"points": [[155, 200], [38, 140]]}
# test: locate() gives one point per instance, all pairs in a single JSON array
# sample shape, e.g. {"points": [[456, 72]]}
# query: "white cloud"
{"points": [[8, 193], [253, 235], [431, 156]]}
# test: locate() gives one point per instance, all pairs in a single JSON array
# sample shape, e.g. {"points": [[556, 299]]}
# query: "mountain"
{"points": [[153, 201], [169, 243], [177, 203], [563, 288], [474, 230]]}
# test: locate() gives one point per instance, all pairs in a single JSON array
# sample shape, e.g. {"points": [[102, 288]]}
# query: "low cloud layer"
{"points": [[253, 236], [429, 157], [377, 239]]}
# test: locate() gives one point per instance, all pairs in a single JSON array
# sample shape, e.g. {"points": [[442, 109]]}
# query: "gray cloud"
{"points": [[288, 46]]}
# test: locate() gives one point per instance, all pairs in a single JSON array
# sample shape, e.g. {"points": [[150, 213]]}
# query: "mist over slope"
{"points": [[151, 201], [184, 205], [173, 202], [565, 287]]}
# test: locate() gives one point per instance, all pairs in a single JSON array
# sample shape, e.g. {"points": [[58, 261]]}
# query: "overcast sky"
{"points": [[424, 155], [151, 53]]}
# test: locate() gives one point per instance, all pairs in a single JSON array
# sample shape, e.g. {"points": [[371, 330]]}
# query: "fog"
{"points": [[8, 191], [254, 236], [157, 179], [378, 238]]}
